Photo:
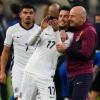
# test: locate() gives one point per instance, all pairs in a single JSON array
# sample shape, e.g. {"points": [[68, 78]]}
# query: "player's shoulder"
{"points": [[48, 30], [36, 26], [14, 27]]}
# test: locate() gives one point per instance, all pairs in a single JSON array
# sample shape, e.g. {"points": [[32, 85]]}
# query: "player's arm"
{"points": [[4, 60], [5, 54], [33, 39], [65, 38], [69, 39], [1, 48]]}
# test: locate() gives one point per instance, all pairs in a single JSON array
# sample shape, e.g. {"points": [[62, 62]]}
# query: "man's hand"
{"points": [[61, 47], [63, 35], [54, 24], [44, 22], [3, 77]]}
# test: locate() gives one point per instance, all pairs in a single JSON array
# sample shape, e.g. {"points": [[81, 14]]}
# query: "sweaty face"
{"points": [[75, 18], [27, 15], [63, 18]]}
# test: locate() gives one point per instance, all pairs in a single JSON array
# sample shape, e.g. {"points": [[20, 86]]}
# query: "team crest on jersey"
{"points": [[80, 36]]}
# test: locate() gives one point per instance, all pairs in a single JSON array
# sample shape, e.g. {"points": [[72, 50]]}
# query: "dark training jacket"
{"points": [[81, 52]]}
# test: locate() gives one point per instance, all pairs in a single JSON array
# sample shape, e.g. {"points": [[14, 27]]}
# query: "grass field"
{"points": [[9, 87], [98, 98]]}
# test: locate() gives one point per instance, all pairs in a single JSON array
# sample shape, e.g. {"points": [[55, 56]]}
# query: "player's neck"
{"points": [[27, 26]]}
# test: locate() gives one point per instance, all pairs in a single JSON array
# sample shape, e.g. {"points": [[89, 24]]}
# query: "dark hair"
{"points": [[65, 8], [28, 6], [15, 8]]}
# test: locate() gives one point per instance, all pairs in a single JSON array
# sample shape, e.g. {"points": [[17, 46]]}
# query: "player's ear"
{"points": [[20, 14]]}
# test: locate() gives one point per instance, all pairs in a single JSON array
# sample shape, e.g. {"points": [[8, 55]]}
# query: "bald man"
{"points": [[54, 10], [80, 54]]}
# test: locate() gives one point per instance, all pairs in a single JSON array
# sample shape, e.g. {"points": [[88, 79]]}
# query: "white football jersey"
{"points": [[18, 36], [43, 62]]}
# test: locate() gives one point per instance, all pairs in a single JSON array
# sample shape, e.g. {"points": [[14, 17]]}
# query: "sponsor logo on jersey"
{"points": [[46, 34]]}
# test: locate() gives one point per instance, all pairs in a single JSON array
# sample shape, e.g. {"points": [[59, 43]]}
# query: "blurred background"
{"points": [[92, 6]]}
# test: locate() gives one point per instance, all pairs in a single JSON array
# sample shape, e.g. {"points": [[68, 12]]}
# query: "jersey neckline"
{"points": [[24, 27]]}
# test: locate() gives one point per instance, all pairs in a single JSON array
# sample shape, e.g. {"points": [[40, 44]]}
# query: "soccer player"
{"points": [[40, 70], [18, 35]]}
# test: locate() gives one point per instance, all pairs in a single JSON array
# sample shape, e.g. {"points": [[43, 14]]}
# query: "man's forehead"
{"points": [[64, 12], [74, 12]]}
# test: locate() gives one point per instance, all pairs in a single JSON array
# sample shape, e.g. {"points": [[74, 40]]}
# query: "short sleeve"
{"points": [[8, 39]]}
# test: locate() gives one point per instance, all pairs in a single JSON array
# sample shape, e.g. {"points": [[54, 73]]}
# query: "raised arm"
{"points": [[35, 37], [32, 40]]}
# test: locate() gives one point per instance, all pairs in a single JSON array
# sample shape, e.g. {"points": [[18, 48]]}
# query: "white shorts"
{"points": [[32, 84], [17, 75]]}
